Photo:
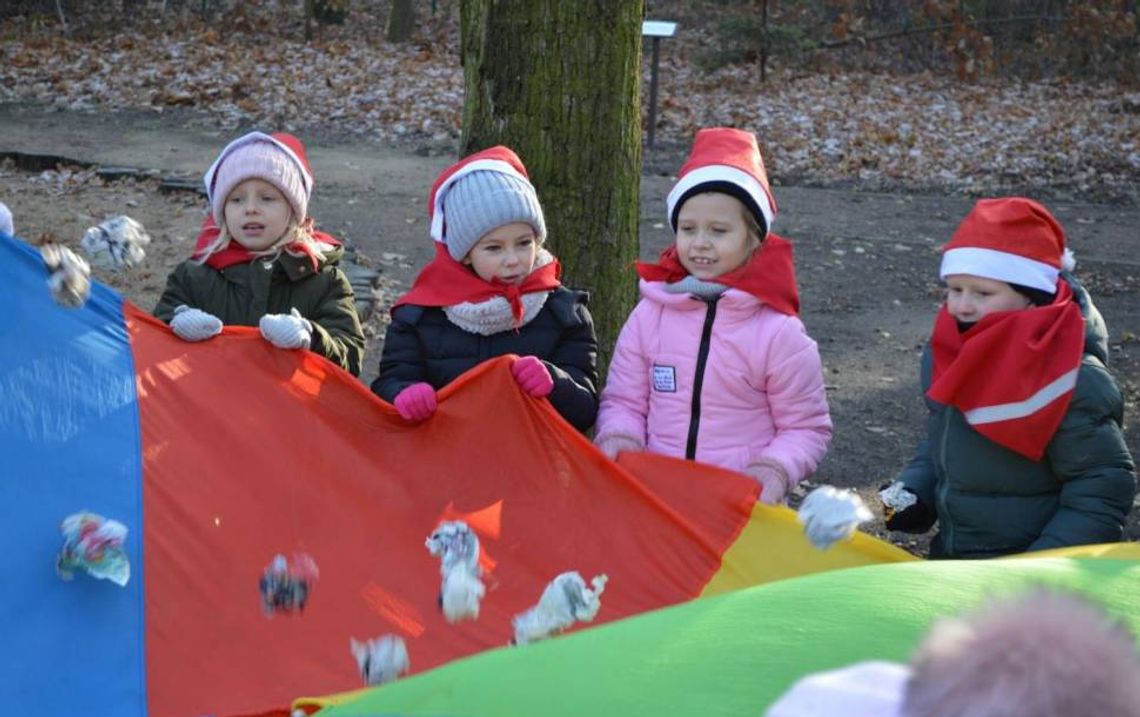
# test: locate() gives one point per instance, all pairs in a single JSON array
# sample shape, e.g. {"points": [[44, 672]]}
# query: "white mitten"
{"points": [[190, 324], [287, 331], [70, 279], [613, 445], [116, 243], [830, 515]]}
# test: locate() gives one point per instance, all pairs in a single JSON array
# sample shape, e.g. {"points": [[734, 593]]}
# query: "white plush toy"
{"points": [[830, 515], [565, 600], [70, 277], [116, 243], [381, 660], [457, 547]]}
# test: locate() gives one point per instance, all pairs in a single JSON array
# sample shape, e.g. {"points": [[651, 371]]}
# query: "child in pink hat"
{"points": [[259, 262], [1023, 448], [713, 364]]}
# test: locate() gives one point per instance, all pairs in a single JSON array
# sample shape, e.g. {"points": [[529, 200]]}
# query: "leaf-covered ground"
{"points": [[250, 67]]}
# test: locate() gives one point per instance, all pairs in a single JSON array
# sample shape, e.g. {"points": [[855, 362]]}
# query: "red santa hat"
{"points": [[1013, 239], [725, 160], [277, 158], [482, 191]]}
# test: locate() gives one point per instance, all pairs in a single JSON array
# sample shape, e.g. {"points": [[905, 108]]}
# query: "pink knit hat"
{"points": [[278, 159]]}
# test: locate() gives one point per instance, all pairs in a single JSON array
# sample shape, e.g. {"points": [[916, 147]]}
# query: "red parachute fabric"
{"points": [[250, 451]]}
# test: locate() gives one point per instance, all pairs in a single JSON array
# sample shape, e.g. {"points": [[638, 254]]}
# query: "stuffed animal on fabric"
{"points": [[457, 547], [93, 544], [565, 600], [285, 586], [830, 514], [381, 660], [116, 243], [69, 276]]}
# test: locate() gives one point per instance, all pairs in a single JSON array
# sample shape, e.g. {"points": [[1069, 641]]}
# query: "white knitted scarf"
{"points": [[494, 315]]}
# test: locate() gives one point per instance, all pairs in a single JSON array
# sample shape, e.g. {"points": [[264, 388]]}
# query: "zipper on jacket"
{"points": [[699, 379]]}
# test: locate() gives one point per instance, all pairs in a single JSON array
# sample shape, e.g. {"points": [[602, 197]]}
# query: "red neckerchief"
{"points": [[446, 282], [235, 253], [769, 275], [1013, 373]]}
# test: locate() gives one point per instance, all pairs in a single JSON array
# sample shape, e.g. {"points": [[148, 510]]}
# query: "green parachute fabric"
{"points": [[735, 654]]}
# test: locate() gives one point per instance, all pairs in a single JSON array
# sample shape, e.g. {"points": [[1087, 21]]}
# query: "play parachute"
{"points": [[221, 455]]}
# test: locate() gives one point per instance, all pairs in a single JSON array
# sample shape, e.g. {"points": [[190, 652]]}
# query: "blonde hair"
{"points": [[752, 224], [1043, 654], [295, 234]]}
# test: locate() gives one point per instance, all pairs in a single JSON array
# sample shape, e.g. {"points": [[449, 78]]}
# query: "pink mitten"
{"points": [[533, 376], [416, 402], [773, 482]]}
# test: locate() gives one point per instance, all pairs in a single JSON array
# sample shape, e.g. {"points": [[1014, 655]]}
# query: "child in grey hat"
{"points": [[491, 290]]}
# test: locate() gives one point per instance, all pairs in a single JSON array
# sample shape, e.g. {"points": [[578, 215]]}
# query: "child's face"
{"points": [[507, 253], [257, 214], [712, 235], [969, 297]]}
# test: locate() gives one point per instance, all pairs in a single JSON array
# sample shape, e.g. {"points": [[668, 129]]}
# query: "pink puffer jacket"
{"points": [[762, 398]]}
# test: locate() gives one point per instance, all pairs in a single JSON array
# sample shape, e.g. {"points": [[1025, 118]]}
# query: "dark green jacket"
{"points": [[989, 500], [242, 293]]}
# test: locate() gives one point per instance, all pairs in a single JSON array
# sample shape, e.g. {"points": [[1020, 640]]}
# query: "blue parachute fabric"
{"points": [[69, 436]]}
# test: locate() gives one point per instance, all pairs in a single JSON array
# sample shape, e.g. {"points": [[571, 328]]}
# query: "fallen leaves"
{"points": [[912, 132]]}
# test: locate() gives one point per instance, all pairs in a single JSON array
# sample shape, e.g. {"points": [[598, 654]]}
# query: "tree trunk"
{"points": [[401, 21], [559, 83]]}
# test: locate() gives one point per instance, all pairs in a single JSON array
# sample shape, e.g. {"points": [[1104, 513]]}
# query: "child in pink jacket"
{"points": [[713, 364]]}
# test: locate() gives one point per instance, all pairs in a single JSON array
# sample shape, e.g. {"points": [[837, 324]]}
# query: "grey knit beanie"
{"points": [[484, 201]]}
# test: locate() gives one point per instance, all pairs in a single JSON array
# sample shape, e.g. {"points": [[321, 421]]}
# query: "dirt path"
{"points": [[867, 262]]}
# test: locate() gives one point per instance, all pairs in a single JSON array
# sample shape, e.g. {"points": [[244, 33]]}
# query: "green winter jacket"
{"points": [[990, 501], [242, 293]]}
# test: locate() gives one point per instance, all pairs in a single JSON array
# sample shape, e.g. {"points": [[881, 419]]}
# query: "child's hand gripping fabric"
{"points": [[533, 376], [613, 445], [190, 324], [286, 331], [773, 482], [416, 402]]}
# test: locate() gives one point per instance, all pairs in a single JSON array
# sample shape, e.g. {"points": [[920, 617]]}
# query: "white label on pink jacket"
{"points": [[664, 378]]}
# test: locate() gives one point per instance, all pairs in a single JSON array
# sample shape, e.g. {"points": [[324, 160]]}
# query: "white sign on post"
{"points": [[658, 28]]}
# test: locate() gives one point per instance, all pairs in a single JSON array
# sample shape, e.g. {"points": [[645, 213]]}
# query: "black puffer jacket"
{"points": [[423, 345], [989, 500]]}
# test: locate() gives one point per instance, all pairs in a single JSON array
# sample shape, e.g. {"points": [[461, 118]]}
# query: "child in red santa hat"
{"points": [[1023, 448], [258, 261], [713, 364], [492, 289]]}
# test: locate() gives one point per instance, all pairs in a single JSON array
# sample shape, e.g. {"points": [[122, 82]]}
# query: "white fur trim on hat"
{"points": [[1000, 266], [491, 165], [722, 173]]}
